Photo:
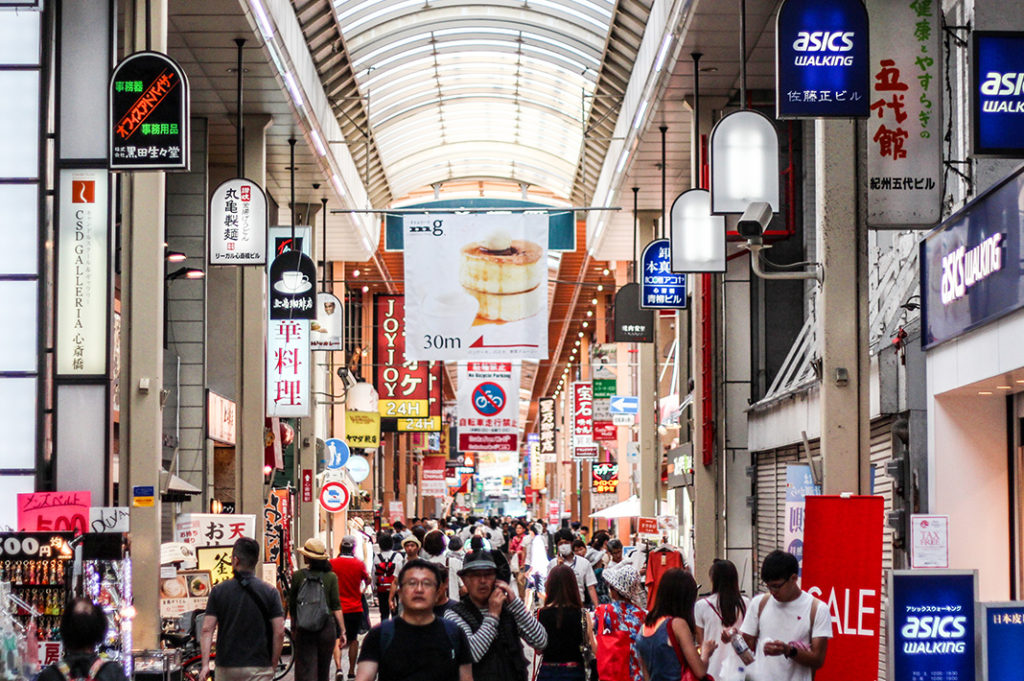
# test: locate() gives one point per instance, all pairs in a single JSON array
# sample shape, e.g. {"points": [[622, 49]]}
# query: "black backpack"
{"points": [[311, 611]]}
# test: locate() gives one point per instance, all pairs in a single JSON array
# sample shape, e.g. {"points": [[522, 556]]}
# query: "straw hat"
{"points": [[314, 549]]}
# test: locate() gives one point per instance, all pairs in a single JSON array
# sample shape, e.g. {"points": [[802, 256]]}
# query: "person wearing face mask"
{"points": [[586, 580]]}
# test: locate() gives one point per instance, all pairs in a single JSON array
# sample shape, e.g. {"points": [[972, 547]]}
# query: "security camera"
{"points": [[346, 376], [754, 220]]}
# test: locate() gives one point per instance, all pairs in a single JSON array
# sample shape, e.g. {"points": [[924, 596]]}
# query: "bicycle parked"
{"points": [[183, 634]]}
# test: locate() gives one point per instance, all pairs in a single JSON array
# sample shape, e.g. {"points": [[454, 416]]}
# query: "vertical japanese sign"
{"points": [[997, 105], [799, 486], [238, 224], [546, 449], [660, 287], [904, 134], [537, 473], [83, 247], [288, 368], [843, 568], [488, 406], [148, 125], [276, 521], [582, 414], [931, 625], [1002, 626], [821, 59], [603, 359], [403, 387]]}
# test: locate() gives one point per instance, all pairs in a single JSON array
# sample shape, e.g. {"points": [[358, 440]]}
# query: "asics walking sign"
{"points": [[998, 101]]}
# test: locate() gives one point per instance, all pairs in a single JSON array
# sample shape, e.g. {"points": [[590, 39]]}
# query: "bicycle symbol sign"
{"points": [[488, 399]]}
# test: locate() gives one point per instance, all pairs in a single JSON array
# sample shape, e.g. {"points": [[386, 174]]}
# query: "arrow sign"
{"points": [[624, 404], [479, 343]]}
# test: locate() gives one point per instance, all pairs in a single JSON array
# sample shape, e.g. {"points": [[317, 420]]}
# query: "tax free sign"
{"points": [[821, 59]]}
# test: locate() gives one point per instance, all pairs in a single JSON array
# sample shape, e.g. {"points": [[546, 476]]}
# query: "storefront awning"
{"points": [[630, 508]]}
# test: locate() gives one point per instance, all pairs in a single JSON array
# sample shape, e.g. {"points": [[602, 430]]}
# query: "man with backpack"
{"points": [[416, 644], [386, 565], [82, 628], [246, 613]]}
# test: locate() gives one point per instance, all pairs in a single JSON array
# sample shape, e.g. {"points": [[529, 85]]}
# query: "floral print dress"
{"points": [[627, 617]]}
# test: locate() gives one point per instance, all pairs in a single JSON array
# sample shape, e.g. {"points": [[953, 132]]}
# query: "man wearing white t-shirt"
{"points": [[779, 624]]}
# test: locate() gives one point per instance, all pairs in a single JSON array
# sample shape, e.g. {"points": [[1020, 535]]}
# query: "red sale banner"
{"points": [[843, 568]]}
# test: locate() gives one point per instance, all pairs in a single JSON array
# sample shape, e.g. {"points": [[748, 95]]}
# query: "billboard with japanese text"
{"points": [[582, 413], [488, 406], [546, 426], [403, 386], [148, 123], [238, 223]]}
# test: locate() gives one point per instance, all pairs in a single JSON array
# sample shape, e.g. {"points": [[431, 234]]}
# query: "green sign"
{"points": [[604, 388]]}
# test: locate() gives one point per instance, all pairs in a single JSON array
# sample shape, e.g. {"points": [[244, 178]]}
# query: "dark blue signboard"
{"points": [[1002, 627], [931, 625], [660, 287], [821, 59], [998, 86], [971, 264]]}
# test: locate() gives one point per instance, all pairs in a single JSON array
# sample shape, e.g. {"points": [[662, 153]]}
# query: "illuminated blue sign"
{"points": [[821, 59], [931, 624], [1003, 635], [660, 287], [998, 100]]}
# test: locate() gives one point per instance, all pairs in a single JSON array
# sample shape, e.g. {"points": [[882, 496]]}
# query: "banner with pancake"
{"points": [[476, 286]]}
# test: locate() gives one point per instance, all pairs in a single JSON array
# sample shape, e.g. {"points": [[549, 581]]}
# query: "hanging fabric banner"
{"points": [[488, 406]]}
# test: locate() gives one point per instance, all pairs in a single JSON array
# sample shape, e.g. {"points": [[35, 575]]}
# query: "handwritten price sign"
{"points": [[54, 511]]}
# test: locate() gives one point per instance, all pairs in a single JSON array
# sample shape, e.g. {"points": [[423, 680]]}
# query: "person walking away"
{"points": [[247, 615], [788, 627], [724, 608], [537, 566], [82, 627], [666, 643], [352, 577], [617, 626], [386, 565], [570, 633], [585, 578], [315, 609], [434, 551], [494, 620], [416, 645]]}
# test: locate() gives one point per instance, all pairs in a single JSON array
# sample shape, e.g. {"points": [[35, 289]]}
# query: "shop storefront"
{"points": [[972, 293]]}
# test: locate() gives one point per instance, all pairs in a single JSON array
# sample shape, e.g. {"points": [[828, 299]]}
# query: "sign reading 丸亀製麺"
{"points": [[148, 124], [288, 368], [821, 59], [660, 287], [238, 223], [83, 274], [997, 111], [403, 387], [488, 406], [582, 413], [904, 134]]}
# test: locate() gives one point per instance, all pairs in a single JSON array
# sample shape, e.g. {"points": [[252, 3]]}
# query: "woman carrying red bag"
{"points": [[617, 626], [667, 649]]}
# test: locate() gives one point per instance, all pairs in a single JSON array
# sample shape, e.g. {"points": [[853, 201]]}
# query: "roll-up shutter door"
{"points": [[881, 451], [770, 494]]}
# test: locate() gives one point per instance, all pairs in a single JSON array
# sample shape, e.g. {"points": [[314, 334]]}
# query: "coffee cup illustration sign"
{"points": [[292, 295]]}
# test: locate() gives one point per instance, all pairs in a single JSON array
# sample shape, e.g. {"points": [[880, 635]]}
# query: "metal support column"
{"points": [[647, 391]]}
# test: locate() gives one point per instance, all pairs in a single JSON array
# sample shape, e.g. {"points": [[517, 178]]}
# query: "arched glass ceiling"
{"points": [[487, 89]]}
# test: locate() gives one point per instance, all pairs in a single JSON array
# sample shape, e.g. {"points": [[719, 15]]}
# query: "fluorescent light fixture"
{"points": [[293, 89], [337, 185], [262, 19], [638, 120], [663, 52], [622, 161], [317, 142]]}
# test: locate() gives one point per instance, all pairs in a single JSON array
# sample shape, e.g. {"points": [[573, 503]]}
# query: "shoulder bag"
{"points": [[687, 674]]}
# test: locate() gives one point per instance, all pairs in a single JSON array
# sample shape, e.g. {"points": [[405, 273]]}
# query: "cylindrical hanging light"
{"points": [[697, 236]]}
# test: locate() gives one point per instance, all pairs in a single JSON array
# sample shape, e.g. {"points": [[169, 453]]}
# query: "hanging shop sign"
{"points": [[554, 513], [325, 331], [966, 277], [799, 486], [83, 254], [292, 296], [432, 475], [488, 406], [238, 223], [584, 452], [148, 125], [697, 236], [931, 624], [904, 129], [633, 324], [660, 288], [546, 450], [821, 59], [998, 85], [276, 524], [605, 478], [33, 545], [929, 541], [54, 511], [362, 429], [213, 529], [288, 380], [1002, 635], [216, 561], [403, 386], [477, 287], [647, 527], [843, 568], [582, 413], [220, 418], [680, 466]]}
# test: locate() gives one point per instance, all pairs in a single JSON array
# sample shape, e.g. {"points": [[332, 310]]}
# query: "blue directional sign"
{"points": [[660, 287], [624, 404], [337, 453]]}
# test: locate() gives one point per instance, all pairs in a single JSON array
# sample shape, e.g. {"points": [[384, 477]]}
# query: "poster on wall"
{"points": [[931, 625], [477, 286], [843, 568], [488, 406], [238, 223], [148, 122], [929, 541], [799, 485], [904, 130], [83, 250]]}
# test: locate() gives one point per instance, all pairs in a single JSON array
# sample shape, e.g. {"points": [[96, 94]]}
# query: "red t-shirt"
{"points": [[351, 573]]}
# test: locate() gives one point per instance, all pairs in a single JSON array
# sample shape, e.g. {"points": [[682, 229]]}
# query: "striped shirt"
{"points": [[480, 641]]}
